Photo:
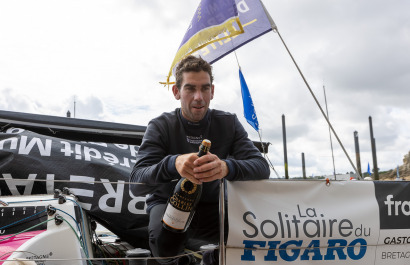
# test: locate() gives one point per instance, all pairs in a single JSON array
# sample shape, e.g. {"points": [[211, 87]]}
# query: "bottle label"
{"points": [[175, 218]]}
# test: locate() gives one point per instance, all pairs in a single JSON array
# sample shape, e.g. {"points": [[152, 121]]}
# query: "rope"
{"points": [[25, 230], [81, 213], [16, 251], [83, 244], [32, 201], [317, 102], [112, 259], [79, 181], [72, 217], [330, 134], [83, 227], [311, 248], [21, 220], [196, 252], [267, 157]]}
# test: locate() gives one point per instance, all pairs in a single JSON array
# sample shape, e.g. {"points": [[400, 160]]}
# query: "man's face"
{"points": [[195, 95]]}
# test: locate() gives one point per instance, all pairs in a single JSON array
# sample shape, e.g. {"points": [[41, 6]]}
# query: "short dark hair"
{"points": [[191, 64]]}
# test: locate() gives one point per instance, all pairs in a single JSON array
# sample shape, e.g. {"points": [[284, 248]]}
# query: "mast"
{"points": [[285, 150], [357, 149], [373, 143], [330, 135]]}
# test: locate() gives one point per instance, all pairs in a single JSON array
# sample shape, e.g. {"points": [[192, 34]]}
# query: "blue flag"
{"points": [[368, 169], [248, 108], [212, 18]]}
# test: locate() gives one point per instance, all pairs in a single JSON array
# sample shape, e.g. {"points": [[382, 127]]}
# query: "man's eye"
{"points": [[188, 88]]}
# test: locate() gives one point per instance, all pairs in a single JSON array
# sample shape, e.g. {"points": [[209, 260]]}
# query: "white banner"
{"points": [[309, 222]]}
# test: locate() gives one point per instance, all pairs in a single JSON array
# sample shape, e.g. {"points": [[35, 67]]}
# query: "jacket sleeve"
{"points": [[245, 161], [154, 164]]}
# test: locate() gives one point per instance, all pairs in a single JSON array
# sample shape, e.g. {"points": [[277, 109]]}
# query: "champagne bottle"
{"points": [[181, 205]]}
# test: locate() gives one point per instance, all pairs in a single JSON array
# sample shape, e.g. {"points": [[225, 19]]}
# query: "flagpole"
{"points": [[275, 29], [221, 222], [317, 102]]}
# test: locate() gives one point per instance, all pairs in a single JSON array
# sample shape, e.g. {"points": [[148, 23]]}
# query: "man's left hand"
{"points": [[209, 168]]}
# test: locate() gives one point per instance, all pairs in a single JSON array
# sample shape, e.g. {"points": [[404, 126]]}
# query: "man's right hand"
{"points": [[185, 166]]}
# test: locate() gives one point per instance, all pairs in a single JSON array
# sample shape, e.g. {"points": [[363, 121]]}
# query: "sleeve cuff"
{"points": [[231, 168], [172, 170]]}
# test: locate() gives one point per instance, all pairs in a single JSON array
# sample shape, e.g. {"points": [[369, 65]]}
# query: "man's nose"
{"points": [[198, 95]]}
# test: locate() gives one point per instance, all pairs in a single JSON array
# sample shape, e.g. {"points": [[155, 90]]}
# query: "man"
{"points": [[169, 151]]}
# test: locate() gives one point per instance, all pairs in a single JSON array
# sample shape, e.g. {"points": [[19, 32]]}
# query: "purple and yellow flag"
{"points": [[222, 26], [212, 18], [255, 21]]}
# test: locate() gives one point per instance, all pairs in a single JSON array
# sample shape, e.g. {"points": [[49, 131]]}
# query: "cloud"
{"points": [[111, 56], [12, 101]]}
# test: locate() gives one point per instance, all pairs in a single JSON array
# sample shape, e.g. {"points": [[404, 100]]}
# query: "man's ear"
{"points": [[175, 90], [212, 91]]}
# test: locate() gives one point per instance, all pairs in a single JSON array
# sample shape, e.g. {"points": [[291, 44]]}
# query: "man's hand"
{"points": [[201, 169], [209, 168], [185, 166]]}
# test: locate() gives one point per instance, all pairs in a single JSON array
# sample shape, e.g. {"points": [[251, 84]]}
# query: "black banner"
{"points": [[393, 198], [97, 173]]}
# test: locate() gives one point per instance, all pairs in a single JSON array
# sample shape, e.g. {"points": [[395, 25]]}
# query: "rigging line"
{"points": [[104, 247], [2, 128], [231, 247], [83, 244], [79, 181], [266, 156], [307, 247], [34, 201], [16, 251], [25, 230], [330, 134], [101, 250], [237, 59], [317, 102], [112, 259], [72, 217], [75, 233], [116, 253], [21, 220], [83, 226], [116, 248], [101, 247]]}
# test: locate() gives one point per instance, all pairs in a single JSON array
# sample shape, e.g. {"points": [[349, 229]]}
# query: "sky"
{"points": [[109, 57]]}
